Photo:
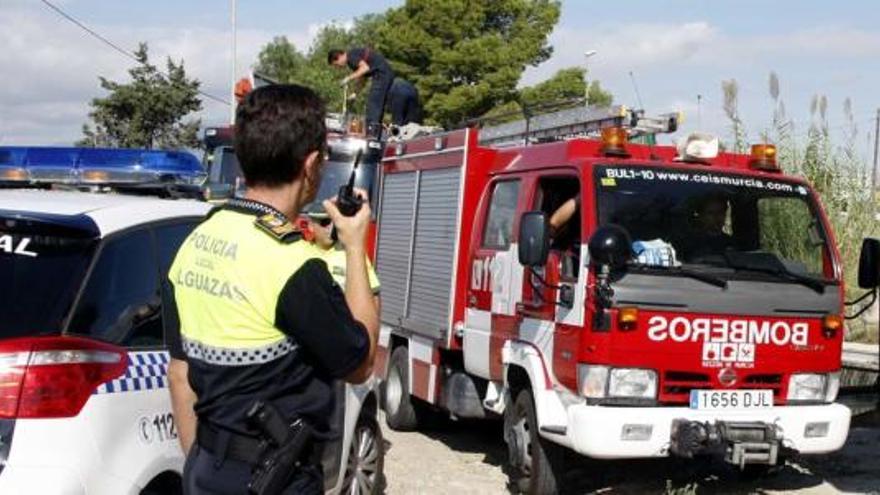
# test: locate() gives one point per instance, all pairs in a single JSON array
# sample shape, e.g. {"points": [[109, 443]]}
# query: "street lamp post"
{"points": [[587, 55]]}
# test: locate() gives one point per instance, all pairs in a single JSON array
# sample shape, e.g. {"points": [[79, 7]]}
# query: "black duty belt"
{"points": [[240, 447]]}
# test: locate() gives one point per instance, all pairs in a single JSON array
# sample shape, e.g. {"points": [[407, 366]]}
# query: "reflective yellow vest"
{"points": [[227, 277]]}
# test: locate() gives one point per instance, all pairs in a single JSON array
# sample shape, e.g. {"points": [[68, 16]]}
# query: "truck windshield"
{"points": [[41, 268], [710, 221], [336, 170]]}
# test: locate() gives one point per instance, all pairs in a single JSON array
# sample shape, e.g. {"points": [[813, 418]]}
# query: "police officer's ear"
{"points": [[311, 173]]}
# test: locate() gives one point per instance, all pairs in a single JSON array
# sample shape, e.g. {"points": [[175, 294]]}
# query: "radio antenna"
{"points": [[636, 89]]}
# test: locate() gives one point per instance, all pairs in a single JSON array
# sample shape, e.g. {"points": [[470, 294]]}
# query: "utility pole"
{"points": [[234, 70], [876, 143]]}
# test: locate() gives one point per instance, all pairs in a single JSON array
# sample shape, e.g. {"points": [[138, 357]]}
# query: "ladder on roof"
{"points": [[575, 122]]}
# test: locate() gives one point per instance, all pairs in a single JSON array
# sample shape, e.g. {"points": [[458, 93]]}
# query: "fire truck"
{"points": [[614, 299]]}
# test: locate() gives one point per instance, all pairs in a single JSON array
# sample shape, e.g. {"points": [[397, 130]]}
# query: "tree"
{"points": [[147, 112], [282, 61], [567, 85], [466, 57]]}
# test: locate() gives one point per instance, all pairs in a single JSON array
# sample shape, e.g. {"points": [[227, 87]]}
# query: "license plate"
{"points": [[731, 399]]}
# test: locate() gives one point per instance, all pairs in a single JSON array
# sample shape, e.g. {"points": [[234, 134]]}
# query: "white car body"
{"points": [[123, 441]]}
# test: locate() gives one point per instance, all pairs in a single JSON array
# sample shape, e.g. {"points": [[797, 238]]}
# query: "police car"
{"points": [[84, 405]]}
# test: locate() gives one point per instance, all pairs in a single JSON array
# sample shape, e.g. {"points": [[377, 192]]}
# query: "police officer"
{"points": [[331, 251], [260, 318], [366, 62]]}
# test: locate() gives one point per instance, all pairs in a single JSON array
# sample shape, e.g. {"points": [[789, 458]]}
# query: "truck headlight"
{"points": [[811, 387], [592, 381], [629, 382], [600, 382]]}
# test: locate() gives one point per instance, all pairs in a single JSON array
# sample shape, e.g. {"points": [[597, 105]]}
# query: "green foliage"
{"points": [[466, 57], [147, 112], [282, 61], [567, 85], [838, 175]]}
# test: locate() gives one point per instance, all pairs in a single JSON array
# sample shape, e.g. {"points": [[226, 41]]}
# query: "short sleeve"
{"points": [[373, 278], [312, 309], [171, 321]]}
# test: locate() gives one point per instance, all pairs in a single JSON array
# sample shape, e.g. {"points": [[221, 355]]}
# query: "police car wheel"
{"points": [[400, 412], [533, 461], [366, 459]]}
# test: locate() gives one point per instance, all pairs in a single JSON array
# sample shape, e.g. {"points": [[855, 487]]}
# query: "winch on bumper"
{"points": [[741, 443], [607, 432]]}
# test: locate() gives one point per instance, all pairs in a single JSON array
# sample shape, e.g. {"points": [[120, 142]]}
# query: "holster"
{"points": [[284, 446]]}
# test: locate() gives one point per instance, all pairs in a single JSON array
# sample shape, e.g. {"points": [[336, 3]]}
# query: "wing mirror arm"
{"points": [[610, 248]]}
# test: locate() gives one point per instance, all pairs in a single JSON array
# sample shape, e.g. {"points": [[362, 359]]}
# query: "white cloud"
{"points": [[51, 68]]}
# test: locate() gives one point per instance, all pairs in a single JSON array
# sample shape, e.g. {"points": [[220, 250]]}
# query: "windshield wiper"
{"points": [[770, 264], [687, 272]]}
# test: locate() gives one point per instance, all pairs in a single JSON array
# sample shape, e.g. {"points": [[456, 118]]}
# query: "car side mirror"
{"points": [[869, 264], [534, 239]]}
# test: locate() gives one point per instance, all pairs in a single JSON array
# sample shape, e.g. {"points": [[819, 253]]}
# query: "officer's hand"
{"points": [[352, 96], [352, 231]]}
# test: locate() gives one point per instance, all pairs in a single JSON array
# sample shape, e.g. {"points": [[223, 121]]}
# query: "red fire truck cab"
{"points": [[688, 305]]}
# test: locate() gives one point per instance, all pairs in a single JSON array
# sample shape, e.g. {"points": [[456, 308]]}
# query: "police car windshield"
{"points": [[41, 269], [708, 220]]}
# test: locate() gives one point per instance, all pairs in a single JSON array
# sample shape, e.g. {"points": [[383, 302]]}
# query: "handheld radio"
{"points": [[346, 201]]}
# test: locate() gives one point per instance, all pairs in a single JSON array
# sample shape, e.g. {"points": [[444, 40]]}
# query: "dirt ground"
{"points": [[467, 458]]}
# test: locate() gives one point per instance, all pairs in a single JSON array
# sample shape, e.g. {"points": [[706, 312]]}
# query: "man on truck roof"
{"points": [[366, 62]]}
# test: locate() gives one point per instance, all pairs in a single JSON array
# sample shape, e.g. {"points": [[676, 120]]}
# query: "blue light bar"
{"points": [[98, 166]]}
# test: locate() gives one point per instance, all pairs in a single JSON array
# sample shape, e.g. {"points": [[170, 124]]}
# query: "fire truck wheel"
{"points": [[400, 413], [534, 462]]}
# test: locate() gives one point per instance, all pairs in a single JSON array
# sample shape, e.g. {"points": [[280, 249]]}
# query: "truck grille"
{"points": [[677, 385]]}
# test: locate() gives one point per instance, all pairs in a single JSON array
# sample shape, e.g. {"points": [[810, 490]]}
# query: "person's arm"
{"points": [[362, 69], [563, 214], [183, 398], [352, 232], [183, 401]]}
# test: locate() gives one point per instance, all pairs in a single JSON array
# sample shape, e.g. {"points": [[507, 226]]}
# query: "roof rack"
{"points": [[579, 121]]}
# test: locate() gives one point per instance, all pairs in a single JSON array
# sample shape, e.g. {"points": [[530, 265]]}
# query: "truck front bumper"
{"points": [[635, 432]]}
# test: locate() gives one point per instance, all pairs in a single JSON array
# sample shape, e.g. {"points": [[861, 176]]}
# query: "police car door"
{"points": [[131, 423]]}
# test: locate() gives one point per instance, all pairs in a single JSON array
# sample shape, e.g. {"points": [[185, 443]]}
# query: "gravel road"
{"points": [[467, 458]]}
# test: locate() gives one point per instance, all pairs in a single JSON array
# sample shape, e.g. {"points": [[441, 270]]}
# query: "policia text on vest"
{"points": [[261, 321]]}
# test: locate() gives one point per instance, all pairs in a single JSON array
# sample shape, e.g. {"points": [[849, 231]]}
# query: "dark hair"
{"points": [[276, 127], [332, 55]]}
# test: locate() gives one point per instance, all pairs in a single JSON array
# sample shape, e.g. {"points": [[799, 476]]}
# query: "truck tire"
{"points": [[534, 462], [400, 412]]}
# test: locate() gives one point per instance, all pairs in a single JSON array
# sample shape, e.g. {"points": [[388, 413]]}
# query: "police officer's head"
{"points": [[320, 225], [280, 138]]}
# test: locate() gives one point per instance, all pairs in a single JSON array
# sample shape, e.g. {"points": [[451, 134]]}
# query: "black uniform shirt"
{"points": [[373, 58]]}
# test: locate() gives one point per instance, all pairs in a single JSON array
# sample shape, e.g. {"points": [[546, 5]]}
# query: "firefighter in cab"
{"points": [[261, 323]]}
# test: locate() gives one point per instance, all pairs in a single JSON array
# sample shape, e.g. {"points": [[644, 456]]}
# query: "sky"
{"points": [[675, 50]]}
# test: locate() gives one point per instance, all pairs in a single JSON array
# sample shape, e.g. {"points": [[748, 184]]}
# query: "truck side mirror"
{"points": [[869, 264], [610, 245], [534, 239]]}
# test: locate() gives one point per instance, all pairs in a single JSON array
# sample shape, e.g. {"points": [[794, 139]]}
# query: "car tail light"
{"points": [[53, 377]]}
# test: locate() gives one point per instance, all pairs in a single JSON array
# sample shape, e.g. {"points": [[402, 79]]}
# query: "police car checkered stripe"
{"points": [[237, 357], [147, 370]]}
